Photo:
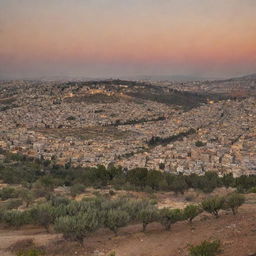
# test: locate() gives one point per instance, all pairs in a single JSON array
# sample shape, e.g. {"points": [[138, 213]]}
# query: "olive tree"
{"points": [[77, 227], [233, 201], [170, 216], [213, 205], [115, 219], [191, 211], [148, 215]]}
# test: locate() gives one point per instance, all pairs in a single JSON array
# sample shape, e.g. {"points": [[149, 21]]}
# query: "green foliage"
{"points": [[77, 227], [205, 249], [199, 143], [27, 196], [213, 205], [43, 215], [45, 175], [115, 219], [77, 189], [191, 211], [16, 218], [30, 252], [148, 215], [179, 184], [12, 204], [252, 190], [170, 216], [234, 201], [8, 192]]}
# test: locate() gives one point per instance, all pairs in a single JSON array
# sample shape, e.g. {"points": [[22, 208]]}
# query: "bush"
{"points": [[43, 215], [191, 211], [213, 205], [16, 218], [252, 190], [170, 216], [12, 204], [26, 196], [199, 143], [115, 219], [205, 249], [30, 252], [234, 201], [77, 227], [7, 193], [148, 215], [77, 189]]}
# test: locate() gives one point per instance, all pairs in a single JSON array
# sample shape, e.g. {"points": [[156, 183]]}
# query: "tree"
{"points": [[170, 216], [77, 227], [179, 184], [16, 218], [138, 177], [115, 219], [213, 205], [148, 215], [26, 196], [234, 201], [191, 211], [43, 215]]}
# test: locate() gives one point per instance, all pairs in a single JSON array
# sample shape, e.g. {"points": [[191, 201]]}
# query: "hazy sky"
{"points": [[127, 37]]}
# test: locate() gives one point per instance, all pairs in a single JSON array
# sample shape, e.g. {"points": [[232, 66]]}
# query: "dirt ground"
{"points": [[236, 233]]}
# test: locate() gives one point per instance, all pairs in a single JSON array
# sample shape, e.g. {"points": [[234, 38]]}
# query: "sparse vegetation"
{"points": [[170, 216], [213, 205], [206, 248], [191, 211], [233, 201]]}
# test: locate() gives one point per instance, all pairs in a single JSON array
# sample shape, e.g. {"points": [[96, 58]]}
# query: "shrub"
{"points": [[252, 190], [77, 189], [8, 192], [170, 216], [16, 218], [71, 118], [191, 211], [43, 215], [115, 219], [30, 252], [26, 196], [134, 207], [77, 227], [148, 215], [12, 204], [205, 249], [199, 143], [213, 205], [234, 201]]}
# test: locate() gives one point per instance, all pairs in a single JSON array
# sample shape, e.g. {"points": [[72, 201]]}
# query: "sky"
{"points": [[122, 38]]}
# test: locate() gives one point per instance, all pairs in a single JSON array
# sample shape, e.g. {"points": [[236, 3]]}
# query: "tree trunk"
{"points": [[144, 227]]}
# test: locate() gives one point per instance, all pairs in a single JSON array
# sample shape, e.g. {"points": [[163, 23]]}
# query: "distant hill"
{"points": [[173, 78], [247, 77]]}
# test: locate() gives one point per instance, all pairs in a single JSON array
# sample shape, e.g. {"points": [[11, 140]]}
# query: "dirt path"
{"points": [[236, 233]]}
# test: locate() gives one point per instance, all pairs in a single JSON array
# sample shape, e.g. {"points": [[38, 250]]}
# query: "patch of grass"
{"points": [[206, 248]]}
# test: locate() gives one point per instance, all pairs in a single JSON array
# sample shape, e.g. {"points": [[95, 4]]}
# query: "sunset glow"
{"points": [[118, 38]]}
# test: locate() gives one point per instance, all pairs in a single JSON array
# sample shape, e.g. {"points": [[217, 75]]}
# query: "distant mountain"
{"points": [[247, 77], [173, 78]]}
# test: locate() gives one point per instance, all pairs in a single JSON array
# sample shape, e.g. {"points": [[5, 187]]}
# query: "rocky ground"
{"points": [[236, 233]]}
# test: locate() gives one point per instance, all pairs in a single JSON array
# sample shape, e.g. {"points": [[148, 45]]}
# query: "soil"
{"points": [[236, 233]]}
